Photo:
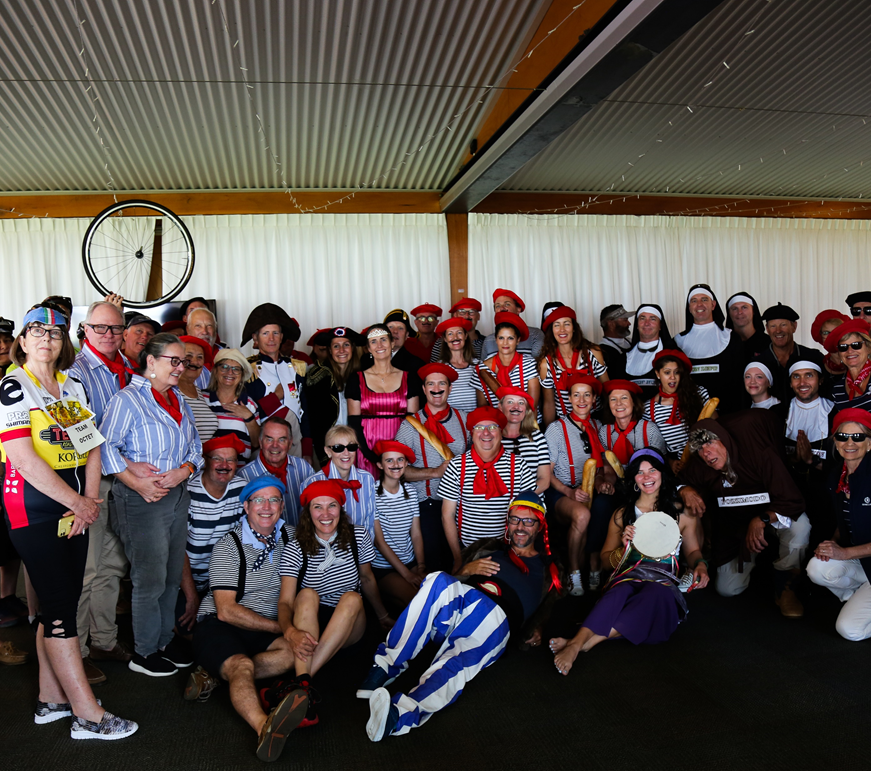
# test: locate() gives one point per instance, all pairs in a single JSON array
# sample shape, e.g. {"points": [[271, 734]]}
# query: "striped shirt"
{"points": [[361, 512], [839, 397], [209, 520], [476, 516], [97, 378], [587, 363], [636, 437], [426, 455], [567, 459], [137, 428], [298, 471], [262, 587], [533, 449], [204, 419], [340, 577], [675, 436], [395, 513], [462, 396], [519, 377], [228, 423]]}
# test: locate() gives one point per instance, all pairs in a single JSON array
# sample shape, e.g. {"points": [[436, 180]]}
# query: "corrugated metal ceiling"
{"points": [[796, 78], [344, 90]]}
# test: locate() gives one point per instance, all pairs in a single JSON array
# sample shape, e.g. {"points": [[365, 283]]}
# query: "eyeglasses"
{"points": [[427, 319], [353, 447], [859, 311], [230, 368], [858, 438], [856, 345], [528, 521], [55, 333], [101, 329], [174, 361], [465, 313], [219, 459], [258, 499], [490, 427]]}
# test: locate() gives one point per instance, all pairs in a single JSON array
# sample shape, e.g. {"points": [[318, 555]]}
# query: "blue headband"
{"points": [[47, 316], [258, 483], [646, 451]]}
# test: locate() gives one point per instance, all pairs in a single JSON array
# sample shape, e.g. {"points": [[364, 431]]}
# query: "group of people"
{"points": [[444, 484]]}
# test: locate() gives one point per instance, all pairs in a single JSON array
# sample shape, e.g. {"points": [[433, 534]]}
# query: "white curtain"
{"points": [[590, 261], [325, 270]]}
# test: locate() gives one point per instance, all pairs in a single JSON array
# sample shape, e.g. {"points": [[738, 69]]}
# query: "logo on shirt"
{"points": [[56, 435], [11, 487], [11, 393], [866, 502], [17, 418]]}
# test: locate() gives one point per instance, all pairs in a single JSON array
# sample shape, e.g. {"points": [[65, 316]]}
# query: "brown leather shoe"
{"points": [[118, 653], [10, 655], [790, 606], [94, 675]]}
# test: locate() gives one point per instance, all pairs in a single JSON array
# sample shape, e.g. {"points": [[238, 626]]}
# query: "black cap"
{"points": [[858, 297], [7, 327], [183, 308], [133, 318], [780, 311]]}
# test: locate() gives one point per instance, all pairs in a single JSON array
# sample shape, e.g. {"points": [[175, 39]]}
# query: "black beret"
{"points": [[858, 297], [780, 311]]}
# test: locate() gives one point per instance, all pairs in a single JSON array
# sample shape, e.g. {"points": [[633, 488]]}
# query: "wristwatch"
{"points": [[765, 518]]}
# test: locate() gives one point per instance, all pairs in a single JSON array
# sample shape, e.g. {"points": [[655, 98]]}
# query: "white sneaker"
{"points": [[686, 581], [577, 589]]}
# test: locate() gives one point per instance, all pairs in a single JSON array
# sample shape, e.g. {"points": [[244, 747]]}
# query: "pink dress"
{"points": [[382, 415]]}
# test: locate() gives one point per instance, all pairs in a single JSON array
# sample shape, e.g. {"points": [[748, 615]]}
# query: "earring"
{"points": [[153, 375], [635, 485]]}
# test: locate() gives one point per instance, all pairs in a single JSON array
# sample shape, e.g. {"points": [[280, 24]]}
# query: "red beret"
{"points": [[504, 317], [852, 415], [573, 377], [621, 385], [466, 302], [327, 488], [509, 293], [205, 345], [853, 326], [389, 445], [219, 442], [425, 309], [451, 323], [482, 414], [822, 318], [514, 391], [560, 312], [673, 353], [442, 369], [311, 340]]}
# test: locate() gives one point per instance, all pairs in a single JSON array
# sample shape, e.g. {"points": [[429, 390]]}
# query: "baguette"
{"points": [[615, 463], [709, 409], [588, 481], [440, 447]]}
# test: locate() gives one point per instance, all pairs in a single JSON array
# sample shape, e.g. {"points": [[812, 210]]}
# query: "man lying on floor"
{"points": [[504, 586]]}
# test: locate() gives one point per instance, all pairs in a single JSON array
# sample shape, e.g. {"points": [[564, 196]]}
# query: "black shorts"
{"points": [[215, 641]]}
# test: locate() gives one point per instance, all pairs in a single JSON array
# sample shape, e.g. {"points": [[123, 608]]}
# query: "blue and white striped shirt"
{"points": [[298, 471], [97, 378], [361, 512], [137, 428]]}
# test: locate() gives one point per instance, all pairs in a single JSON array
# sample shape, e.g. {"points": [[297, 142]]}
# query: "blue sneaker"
{"points": [[383, 715], [377, 678]]}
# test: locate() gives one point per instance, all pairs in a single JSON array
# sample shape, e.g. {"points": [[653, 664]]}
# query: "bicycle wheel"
{"points": [[140, 250]]}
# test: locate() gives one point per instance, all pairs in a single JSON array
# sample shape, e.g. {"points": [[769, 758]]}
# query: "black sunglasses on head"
{"points": [[842, 437], [353, 447], [856, 345], [859, 311]]}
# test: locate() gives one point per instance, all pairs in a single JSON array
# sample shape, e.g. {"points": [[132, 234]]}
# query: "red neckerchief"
{"points": [[844, 482], [169, 403], [674, 418], [622, 448], [503, 373], [854, 386], [117, 367], [487, 480], [576, 354], [353, 486], [277, 471], [589, 429], [433, 423]]}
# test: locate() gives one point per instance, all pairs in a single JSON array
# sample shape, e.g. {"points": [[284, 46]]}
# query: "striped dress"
{"points": [[395, 514]]}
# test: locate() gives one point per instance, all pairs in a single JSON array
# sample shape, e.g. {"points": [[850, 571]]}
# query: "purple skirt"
{"points": [[644, 612]]}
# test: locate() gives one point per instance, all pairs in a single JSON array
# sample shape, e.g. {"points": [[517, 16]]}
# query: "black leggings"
{"points": [[56, 567]]}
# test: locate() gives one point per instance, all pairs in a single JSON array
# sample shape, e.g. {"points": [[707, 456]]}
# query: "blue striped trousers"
{"points": [[472, 630]]}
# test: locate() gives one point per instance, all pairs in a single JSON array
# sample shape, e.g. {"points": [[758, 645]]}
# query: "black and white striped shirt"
{"points": [[205, 420], [209, 520], [261, 587], [587, 363], [340, 577], [581, 450], [841, 400], [462, 396], [476, 516], [395, 513], [533, 449], [426, 456], [525, 371], [636, 437], [675, 436]]}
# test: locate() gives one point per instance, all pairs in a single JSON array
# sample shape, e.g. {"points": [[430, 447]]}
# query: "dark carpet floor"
{"points": [[737, 687]]}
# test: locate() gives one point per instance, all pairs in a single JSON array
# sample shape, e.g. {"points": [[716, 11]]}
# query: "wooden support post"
{"points": [[458, 254]]}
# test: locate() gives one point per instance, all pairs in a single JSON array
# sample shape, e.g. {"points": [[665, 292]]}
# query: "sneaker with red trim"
{"points": [[273, 695]]}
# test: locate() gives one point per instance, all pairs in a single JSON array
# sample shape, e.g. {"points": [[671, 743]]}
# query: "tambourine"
{"points": [[657, 535]]}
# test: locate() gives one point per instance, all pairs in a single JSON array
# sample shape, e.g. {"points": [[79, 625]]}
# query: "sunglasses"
{"points": [[353, 447], [491, 427], [426, 319], [856, 345], [859, 311], [528, 521], [842, 437]]}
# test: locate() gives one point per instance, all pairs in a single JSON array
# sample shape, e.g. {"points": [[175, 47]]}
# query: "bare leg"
{"points": [[274, 661], [345, 628], [578, 517], [393, 587], [9, 577], [62, 676], [305, 618], [238, 671], [566, 651]]}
